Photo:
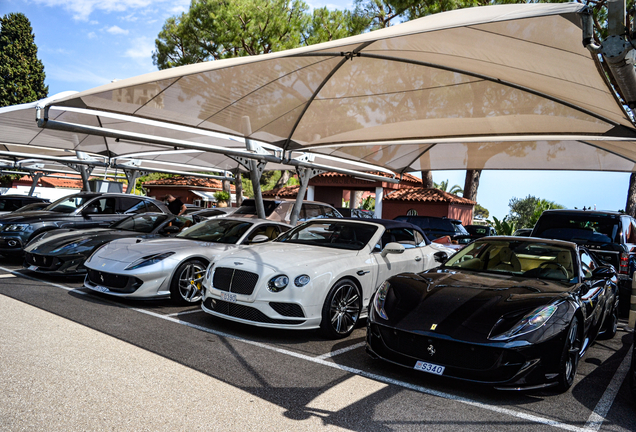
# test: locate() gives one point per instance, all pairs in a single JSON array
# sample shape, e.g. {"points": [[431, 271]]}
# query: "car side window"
{"points": [[329, 212], [403, 236], [102, 206], [271, 231], [131, 205], [419, 239], [152, 208], [587, 265], [310, 211]]}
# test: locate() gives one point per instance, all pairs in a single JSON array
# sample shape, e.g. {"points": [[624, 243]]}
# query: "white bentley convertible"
{"points": [[318, 275]]}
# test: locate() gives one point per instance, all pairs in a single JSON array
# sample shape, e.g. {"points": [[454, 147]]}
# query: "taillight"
{"points": [[623, 266]]}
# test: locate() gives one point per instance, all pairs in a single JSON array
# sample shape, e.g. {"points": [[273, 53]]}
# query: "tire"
{"points": [[341, 310], [610, 327], [569, 357], [185, 287]]}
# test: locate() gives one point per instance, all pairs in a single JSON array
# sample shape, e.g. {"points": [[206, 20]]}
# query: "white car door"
{"points": [[411, 260]]}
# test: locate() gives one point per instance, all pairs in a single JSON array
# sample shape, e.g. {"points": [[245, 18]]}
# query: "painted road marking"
{"points": [[184, 313], [350, 391], [595, 421], [8, 275], [341, 351]]}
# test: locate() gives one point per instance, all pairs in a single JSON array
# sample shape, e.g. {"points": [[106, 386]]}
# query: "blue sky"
{"points": [[87, 43]]}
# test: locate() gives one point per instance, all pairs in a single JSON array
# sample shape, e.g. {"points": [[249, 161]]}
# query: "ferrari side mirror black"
{"points": [[603, 272], [440, 257]]}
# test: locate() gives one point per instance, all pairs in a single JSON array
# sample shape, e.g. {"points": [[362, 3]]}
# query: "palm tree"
{"points": [[443, 186]]}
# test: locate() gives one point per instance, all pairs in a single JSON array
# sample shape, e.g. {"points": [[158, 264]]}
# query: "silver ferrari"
{"points": [[172, 267]]}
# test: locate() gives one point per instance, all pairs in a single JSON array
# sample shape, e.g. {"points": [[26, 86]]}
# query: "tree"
{"points": [[443, 186], [525, 212], [21, 72], [481, 212], [504, 227]]}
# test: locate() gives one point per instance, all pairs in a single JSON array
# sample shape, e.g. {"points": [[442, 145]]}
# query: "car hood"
{"points": [[278, 255], [89, 238], [131, 249], [465, 306], [31, 216]]}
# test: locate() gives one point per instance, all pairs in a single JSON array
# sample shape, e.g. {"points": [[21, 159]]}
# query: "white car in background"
{"points": [[320, 274], [173, 267]]}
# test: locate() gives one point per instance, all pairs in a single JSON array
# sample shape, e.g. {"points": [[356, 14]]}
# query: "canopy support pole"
{"points": [[304, 174], [36, 178], [131, 176]]}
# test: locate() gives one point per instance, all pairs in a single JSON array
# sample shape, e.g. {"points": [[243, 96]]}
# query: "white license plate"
{"points": [[429, 367], [99, 288], [228, 297], [33, 268]]}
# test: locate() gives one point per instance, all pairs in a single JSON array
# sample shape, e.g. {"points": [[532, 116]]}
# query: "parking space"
{"points": [[336, 381]]}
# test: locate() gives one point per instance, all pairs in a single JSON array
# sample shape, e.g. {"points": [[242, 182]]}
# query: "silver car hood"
{"points": [[131, 249]]}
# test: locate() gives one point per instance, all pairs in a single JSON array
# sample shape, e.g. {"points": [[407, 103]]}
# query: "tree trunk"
{"points": [[471, 184], [427, 180], [630, 206], [238, 187], [357, 199], [282, 181]]}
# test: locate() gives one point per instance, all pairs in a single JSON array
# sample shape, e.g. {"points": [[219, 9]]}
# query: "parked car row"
{"points": [[510, 312]]}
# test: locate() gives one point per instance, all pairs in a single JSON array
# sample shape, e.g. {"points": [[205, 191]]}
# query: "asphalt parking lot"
{"points": [[123, 365]]}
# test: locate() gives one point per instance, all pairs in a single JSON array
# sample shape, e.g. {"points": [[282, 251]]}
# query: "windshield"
{"points": [[337, 235], [248, 207], [587, 228], [523, 258], [69, 204], [145, 223], [218, 231]]}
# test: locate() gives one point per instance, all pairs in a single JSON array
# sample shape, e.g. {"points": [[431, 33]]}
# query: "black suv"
{"points": [[82, 210], [435, 227], [9, 203], [610, 236]]}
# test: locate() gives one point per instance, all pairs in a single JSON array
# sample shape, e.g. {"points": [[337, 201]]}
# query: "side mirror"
{"points": [[392, 248], [440, 257], [603, 272], [259, 239], [170, 230]]}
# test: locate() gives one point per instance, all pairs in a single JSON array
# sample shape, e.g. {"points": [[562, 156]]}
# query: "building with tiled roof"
{"points": [[190, 190], [428, 202], [287, 192]]}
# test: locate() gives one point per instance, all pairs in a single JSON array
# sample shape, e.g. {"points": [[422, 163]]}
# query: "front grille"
{"points": [[39, 260], [288, 309], [243, 312], [447, 352], [108, 280], [234, 280]]}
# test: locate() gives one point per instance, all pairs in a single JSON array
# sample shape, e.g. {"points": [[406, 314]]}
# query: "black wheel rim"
{"points": [[190, 280], [344, 308]]}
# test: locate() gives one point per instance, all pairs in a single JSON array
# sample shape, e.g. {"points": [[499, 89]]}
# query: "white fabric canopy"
{"points": [[496, 87]]}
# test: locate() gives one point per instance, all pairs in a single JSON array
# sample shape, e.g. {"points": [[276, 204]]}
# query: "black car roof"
{"points": [[387, 223], [590, 212]]}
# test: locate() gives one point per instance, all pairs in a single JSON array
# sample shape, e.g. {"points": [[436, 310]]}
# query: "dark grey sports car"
{"points": [[63, 251], [514, 313]]}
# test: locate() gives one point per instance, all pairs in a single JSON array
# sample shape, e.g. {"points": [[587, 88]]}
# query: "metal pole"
{"points": [[304, 182], [131, 176], [256, 170], [84, 173], [36, 179]]}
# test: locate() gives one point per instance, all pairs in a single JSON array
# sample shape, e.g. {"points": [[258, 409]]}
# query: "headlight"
{"points": [[16, 227], [70, 245], [277, 283], [301, 280], [208, 274], [380, 298], [529, 323], [149, 260]]}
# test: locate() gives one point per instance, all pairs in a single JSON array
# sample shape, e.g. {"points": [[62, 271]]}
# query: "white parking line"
{"points": [[8, 275], [340, 351], [605, 403], [184, 313], [594, 422]]}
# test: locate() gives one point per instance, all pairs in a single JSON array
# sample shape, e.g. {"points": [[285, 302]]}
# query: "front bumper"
{"points": [[12, 244], [518, 368], [60, 265], [128, 285]]}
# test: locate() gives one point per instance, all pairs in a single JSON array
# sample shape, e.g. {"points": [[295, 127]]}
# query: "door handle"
{"points": [[362, 272], [418, 258]]}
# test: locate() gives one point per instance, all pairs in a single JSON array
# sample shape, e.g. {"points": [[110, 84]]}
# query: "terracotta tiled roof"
{"points": [[72, 182], [426, 195], [284, 192], [405, 177], [189, 182]]}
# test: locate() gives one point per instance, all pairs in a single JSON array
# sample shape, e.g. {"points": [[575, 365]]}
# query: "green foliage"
{"points": [[21, 73], [525, 212], [480, 212], [443, 186], [368, 203], [222, 196], [504, 227]]}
